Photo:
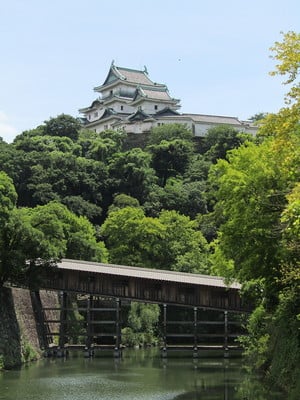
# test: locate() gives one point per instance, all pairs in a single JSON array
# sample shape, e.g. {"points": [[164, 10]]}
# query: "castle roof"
{"points": [[128, 75], [153, 94], [139, 115], [213, 119]]}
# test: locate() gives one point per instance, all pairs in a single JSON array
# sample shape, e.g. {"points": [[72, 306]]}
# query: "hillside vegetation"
{"points": [[229, 205]]}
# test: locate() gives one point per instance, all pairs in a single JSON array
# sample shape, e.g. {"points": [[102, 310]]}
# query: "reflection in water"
{"points": [[139, 375]]}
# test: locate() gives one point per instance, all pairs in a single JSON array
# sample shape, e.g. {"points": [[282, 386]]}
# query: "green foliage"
{"points": [[169, 132], [19, 243], [101, 146], [132, 173], [184, 248], [188, 198], [46, 143], [64, 177], [75, 329], [220, 139], [8, 197], [142, 321], [171, 241], [257, 117], [250, 197], [132, 238], [257, 192], [258, 339], [197, 169], [287, 53], [28, 353], [290, 219], [62, 125], [123, 200], [273, 343], [45, 233], [67, 235], [170, 158], [284, 329]]}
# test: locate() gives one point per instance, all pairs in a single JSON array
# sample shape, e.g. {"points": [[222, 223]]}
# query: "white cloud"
{"points": [[7, 130]]}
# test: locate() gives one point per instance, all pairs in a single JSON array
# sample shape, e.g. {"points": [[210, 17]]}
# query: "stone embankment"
{"points": [[19, 340]]}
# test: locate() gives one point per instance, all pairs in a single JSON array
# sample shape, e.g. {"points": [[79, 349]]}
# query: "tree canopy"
{"points": [[257, 192]]}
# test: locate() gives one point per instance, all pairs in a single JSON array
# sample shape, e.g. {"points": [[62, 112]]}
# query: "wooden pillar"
{"points": [[88, 352], [63, 323], [195, 349], [164, 349], [225, 334], [117, 350]]}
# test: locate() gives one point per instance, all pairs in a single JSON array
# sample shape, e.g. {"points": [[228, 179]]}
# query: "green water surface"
{"points": [[139, 375]]}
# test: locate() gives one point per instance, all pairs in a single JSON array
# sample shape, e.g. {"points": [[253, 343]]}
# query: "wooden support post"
{"points": [[63, 324], [226, 334], [195, 349], [88, 351], [164, 349], [117, 350]]}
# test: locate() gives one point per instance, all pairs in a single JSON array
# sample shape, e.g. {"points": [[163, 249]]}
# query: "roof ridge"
{"points": [[131, 69], [159, 271], [211, 115]]}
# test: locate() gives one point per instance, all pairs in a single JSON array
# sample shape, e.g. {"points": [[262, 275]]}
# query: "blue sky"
{"points": [[213, 55]]}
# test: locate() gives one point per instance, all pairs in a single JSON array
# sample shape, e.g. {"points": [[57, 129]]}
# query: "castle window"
{"points": [[155, 107], [122, 108], [111, 92]]}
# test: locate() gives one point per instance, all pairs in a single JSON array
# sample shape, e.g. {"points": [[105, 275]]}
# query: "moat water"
{"points": [[139, 375]]}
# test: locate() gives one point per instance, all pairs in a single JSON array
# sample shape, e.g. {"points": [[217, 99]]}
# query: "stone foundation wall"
{"points": [[19, 341]]}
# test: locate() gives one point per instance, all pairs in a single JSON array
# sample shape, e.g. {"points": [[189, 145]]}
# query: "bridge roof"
{"points": [[146, 273]]}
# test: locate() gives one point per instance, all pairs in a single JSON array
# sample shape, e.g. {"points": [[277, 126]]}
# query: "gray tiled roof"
{"points": [[156, 94], [134, 76], [146, 273], [214, 119]]}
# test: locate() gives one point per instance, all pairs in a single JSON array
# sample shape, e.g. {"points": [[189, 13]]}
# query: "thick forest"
{"points": [[226, 204]]}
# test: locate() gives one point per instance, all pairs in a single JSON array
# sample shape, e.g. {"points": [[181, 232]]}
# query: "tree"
{"points": [[123, 200], [187, 198], [62, 125], [68, 235], [198, 169], [250, 198], [45, 144], [8, 196], [258, 238], [33, 237], [170, 158], [170, 242], [169, 132], [220, 139], [54, 175], [132, 238], [287, 53], [131, 173], [257, 117], [142, 321], [20, 243], [101, 146], [184, 248]]}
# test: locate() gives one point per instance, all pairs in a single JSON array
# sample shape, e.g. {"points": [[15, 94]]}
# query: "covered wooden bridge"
{"points": [[144, 284], [203, 295]]}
